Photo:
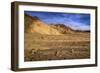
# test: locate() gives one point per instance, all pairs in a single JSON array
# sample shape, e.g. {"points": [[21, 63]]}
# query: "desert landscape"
{"points": [[44, 41]]}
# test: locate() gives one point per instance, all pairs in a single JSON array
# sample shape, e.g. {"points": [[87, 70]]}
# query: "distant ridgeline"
{"points": [[34, 25]]}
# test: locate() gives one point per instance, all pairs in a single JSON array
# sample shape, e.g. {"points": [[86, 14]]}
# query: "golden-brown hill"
{"points": [[34, 25]]}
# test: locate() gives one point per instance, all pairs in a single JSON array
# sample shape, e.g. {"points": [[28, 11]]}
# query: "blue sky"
{"points": [[74, 20]]}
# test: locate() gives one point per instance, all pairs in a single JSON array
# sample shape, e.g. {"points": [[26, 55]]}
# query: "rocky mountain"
{"points": [[62, 28], [34, 25]]}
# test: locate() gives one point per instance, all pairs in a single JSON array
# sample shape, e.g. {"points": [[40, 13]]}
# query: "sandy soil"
{"points": [[56, 47]]}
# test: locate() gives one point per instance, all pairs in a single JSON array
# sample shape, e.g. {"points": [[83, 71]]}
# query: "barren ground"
{"points": [[56, 47]]}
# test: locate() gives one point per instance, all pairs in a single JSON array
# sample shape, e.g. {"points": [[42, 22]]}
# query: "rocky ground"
{"points": [[56, 47]]}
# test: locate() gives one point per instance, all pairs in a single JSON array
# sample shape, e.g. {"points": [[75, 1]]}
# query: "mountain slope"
{"points": [[62, 28], [35, 25]]}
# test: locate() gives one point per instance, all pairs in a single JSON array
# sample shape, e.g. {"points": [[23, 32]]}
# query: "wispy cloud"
{"points": [[74, 20]]}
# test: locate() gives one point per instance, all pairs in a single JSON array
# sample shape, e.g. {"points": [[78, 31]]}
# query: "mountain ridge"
{"points": [[35, 25]]}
